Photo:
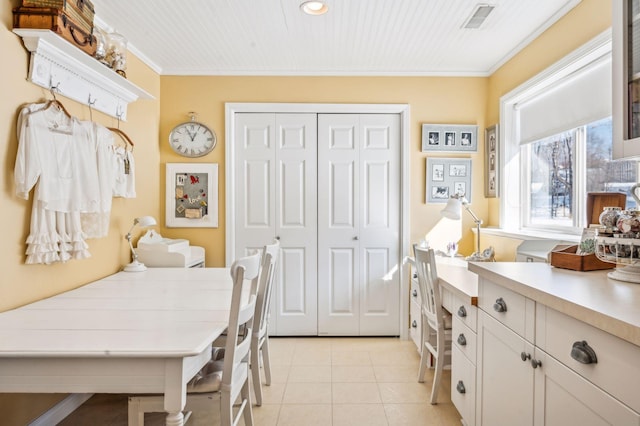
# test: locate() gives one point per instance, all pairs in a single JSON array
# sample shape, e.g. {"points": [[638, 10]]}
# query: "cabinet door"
{"points": [[504, 381], [563, 397]]}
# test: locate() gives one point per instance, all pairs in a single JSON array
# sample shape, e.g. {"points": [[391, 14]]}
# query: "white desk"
{"points": [[132, 332]]}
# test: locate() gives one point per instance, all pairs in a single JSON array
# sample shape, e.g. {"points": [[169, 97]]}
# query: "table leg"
{"points": [[175, 419]]}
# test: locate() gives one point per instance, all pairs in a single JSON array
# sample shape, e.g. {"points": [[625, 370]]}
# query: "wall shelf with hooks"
{"points": [[56, 63]]}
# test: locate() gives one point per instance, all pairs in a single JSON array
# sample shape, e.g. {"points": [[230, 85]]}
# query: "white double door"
{"points": [[327, 186]]}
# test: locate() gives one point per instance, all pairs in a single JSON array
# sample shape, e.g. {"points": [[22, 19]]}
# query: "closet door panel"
{"points": [[338, 227], [379, 211], [255, 178], [296, 302]]}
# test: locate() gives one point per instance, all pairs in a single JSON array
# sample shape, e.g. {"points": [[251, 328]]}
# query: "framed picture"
{"points": [[449, 137], [491, 166], [192, 195], [446, 177]]}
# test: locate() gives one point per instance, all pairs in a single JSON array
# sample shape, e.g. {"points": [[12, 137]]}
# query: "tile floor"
{"points": [[325, 382]]}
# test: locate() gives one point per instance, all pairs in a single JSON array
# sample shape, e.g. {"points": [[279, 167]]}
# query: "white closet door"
{"points": [[275, 168], [379, 235], [358, 224], [338, 227]]}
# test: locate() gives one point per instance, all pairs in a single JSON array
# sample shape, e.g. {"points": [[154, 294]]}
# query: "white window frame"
{"points": [[513, 176]]}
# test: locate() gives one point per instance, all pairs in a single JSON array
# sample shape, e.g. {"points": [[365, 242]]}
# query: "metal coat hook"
{"points": [[53, 89], [90, 103], [119, 114]]}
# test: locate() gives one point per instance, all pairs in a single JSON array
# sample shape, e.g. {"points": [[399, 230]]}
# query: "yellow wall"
{"points": [[432, 100], [436, 100], [21, 284]]}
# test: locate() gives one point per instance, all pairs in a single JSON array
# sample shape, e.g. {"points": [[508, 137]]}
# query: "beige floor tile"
{"points": [[404, 393], [364, 343], [310, 374], [305, 414], [355, 393], [396, 373], [308, 356], [419, 415], [307, 393], [266, 415], [313, 343], [270, 394], [352, 373], [359, 415], [350, 358], [279, 373], [398, 356]]}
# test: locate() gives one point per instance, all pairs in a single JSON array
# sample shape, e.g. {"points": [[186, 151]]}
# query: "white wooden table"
{"points": [[131, 332]]}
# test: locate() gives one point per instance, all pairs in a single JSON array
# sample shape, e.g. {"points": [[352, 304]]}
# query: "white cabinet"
{"points": [[415, 317], [463, 359], [505, 375], [530, 372], [626, 78]]}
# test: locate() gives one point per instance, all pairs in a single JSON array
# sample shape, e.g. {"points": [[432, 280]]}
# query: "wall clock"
{"points": [[192, 139]]}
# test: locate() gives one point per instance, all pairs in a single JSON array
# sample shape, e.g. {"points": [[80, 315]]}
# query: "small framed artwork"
{"points": [[449, 137], [491, 167], [192, 195], [447, 177]]}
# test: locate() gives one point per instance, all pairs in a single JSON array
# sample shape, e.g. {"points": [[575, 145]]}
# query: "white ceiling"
{"points": [[356, 37]]}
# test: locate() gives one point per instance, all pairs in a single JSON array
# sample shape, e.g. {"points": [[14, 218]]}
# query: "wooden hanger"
{"points": [[120, 133], [55, 102]]}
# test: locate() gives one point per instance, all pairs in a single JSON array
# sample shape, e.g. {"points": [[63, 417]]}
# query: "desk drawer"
{"points": [[465, 312], [617, 370], [415, 290], [463, 386], [415, 324], [510, 308], [464, 339]]}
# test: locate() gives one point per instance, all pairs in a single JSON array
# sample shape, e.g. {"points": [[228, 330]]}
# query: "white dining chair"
{"points": [[260, 337], [436, 322], [226, 379]]}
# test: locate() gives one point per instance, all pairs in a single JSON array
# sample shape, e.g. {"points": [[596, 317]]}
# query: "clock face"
{"points": [[192, 139]]}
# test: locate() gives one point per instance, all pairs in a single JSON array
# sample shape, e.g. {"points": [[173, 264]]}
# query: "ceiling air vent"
{"points": [[478, 16]]}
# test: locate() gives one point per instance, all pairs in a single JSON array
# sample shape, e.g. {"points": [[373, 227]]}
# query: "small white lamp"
{"points": [[453, 210], [135, 265]]}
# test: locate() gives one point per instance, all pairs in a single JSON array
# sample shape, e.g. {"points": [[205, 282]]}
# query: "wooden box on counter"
{"points": [[50, 18], [567, 258]]}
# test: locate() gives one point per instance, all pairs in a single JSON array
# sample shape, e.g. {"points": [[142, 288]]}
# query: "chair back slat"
{"points": [[244, 273], [428, 286], [267, 277]]}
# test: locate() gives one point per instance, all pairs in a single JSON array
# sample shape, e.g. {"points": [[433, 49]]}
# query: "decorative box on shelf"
{"points": [[567, 258]]}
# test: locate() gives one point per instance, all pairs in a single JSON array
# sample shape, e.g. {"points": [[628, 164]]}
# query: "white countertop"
{"points": [[592, 297]]}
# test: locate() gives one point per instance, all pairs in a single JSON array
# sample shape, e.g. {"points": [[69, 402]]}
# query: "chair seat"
{"points": [[208, 379]]}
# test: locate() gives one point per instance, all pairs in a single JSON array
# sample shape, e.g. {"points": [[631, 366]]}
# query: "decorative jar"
{"points": [[629, 221], [609, 217], [117, 53]]}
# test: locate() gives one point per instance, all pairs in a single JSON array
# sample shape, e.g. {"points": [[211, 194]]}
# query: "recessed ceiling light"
{"points": [[314, 8]]}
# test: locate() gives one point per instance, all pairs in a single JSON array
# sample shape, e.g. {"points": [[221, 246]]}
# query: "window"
{"points": [[557, 134]]}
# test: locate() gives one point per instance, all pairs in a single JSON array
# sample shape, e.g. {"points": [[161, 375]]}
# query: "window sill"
{"points": [[530, 235]]}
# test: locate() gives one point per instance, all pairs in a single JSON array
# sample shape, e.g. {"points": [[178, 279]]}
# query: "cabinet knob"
{"points": [[535, 363], [460, 387], [583, 353], [462, 312], [415, 293], [462, 341], [355, 238], [500, 305], [278, 238], [415, 276], [414, 324], [525, 356]]}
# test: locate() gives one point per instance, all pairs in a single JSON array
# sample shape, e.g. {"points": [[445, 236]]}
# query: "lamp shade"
{"points": [[453, 209], [143, 221]]}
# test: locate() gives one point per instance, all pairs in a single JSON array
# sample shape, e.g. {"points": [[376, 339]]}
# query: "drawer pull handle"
{"points": [[500, 305], [462, 341], [583, 353], [535, 363], [414, 324], [462, 312], [415, 276], [525, 356], [415, 293], [460, 387]]}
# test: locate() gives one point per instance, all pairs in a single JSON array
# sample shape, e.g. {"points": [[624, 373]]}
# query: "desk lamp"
{"points": [[453, 210], [143, 222]]}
